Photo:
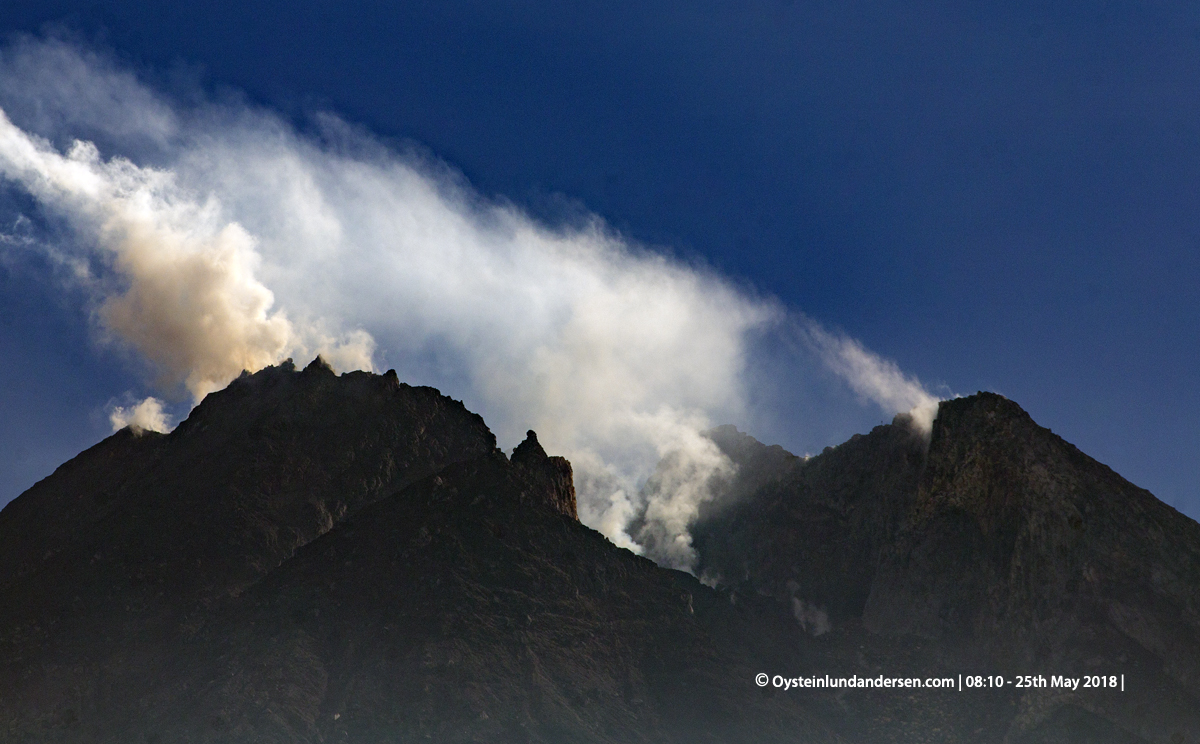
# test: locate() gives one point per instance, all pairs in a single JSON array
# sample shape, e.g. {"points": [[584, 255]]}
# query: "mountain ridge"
{"points": [[313, 557]]}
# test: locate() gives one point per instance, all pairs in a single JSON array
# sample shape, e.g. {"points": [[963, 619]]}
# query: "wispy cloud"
{"points": [[223, 239]]}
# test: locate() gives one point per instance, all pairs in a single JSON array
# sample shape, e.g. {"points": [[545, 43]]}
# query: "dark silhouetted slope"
{"points": [[1000, 550], [121, 554], [321, 558], [1029, 551], [813, 533], [469, 608]]}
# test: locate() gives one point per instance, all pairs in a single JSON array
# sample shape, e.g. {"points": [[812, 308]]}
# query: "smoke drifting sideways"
{"points": [[213, 238], [190, 304], [873, 377]]}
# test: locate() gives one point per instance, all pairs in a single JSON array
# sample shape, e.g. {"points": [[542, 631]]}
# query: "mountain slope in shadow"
{"points": [[322, 558], [1001, 550]]}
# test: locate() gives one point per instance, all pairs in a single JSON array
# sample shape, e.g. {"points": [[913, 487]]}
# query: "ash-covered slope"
{"points": [[1002, 550]]}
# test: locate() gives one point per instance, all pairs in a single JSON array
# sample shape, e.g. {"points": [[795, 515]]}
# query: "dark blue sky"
{"points": [[998, 197]]}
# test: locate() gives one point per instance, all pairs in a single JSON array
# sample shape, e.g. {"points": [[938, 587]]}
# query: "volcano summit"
{"points": [[321, 558]]}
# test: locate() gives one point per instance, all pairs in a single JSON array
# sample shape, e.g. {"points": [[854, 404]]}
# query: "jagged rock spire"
{"points": [[552, 473]]}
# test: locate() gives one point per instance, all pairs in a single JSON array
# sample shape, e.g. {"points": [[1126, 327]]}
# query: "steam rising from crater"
{"points": [[147, 415], [875, 378], [246, 242]]}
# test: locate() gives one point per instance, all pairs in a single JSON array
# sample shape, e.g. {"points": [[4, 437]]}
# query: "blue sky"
{"points": [[998, 198]]}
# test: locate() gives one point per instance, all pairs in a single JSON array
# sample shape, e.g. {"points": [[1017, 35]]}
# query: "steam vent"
{"points": [[320, 558]]}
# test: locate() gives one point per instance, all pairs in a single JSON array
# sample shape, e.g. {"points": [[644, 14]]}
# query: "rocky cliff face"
{"points": [[548, 476], [1000, 549], [315, 558], [1024, 548]]}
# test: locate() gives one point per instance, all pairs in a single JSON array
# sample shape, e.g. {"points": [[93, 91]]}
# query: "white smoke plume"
{"points": [[681, 483], [146, 415], [190, 303], [875, 378], [223, 240], [812, 618]]}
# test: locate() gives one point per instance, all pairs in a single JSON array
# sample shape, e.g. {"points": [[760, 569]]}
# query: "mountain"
{"points": [[125, 551], [321, 558], [471, 607], [1001, 549]]}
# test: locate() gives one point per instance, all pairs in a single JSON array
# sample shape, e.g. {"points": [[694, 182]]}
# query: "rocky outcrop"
{"points": [[550, 476], [1000, 548]]}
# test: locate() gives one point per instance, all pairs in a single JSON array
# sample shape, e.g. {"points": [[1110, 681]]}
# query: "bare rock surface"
{"points": [[999, 550]]}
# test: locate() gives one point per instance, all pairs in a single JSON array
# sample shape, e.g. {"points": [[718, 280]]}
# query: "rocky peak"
{"points": [[549, 475], [1017, 535], [988, 458], [178, 524], [319, 366], [1000, 504], [529, 452]]}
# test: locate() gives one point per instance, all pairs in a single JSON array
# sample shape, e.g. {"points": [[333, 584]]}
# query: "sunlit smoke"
{"points": [[247, 242], [190, 302], [146, 415], [875, 378]]}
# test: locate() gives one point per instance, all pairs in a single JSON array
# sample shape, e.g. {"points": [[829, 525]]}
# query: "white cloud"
{"points": [[248, 242]]}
